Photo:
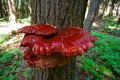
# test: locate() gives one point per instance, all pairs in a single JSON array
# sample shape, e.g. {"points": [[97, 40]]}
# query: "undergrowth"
{"points": [[9, 65], [10, 62], [102, 61], [3, 38], [111, 26]]}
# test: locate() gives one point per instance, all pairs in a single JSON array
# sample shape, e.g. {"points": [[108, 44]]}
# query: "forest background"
{"points": [[102, 19]]}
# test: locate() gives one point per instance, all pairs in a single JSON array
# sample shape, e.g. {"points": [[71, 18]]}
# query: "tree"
{"points": [[102, 8], [3, 8], [118, 21], [91, 14], [60, 13], [110, 8], [1, 14], [12, 12]]}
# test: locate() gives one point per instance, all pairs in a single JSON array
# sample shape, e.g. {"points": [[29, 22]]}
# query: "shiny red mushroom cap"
{"points": [[47, 47], [30, 40], [75, 41], [39, 29], [69, 42]]}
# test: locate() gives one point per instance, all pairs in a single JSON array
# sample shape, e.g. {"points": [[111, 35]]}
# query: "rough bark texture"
{"points": [[91, 15], [60, 13], [67, 72]]}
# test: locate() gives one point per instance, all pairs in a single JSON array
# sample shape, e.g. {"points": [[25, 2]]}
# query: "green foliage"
{"points": [[26, 73], [4, 20], [10, 77], [4, 37], [98, 71], [111, 26], [25, 20], [103, 60], [8, 64], [10, 59], [6, 58]]}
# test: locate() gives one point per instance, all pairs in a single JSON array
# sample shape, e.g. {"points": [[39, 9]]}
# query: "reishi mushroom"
{"points": [[30, 40], [47, 47], [39, 29], [69, 42]]}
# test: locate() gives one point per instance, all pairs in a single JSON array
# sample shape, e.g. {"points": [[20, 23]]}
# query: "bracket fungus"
{"points": [[39, 29], [47, 47]]}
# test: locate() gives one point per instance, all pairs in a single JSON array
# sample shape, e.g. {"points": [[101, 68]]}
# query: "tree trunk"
{"points": [[102, 8], [115, 6], [107, 11], [110, 8], [4, 8], [88, 6], [1, 13], [29, 7], [118, 21], [12, 12], [60, 13], [91, 15]]}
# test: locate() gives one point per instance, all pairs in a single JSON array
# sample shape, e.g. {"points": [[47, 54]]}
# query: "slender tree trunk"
{"points": [[115, 8], [112, 7], [12, 12], [91, 15], [88, 6], [60, 13], [102, 8], [1, 13], [4, 8], [107, 11], [118, 21], [29, 7]]}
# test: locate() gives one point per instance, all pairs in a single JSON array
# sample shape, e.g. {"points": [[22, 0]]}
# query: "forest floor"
{"points": [[13, 39], [106, 27]]}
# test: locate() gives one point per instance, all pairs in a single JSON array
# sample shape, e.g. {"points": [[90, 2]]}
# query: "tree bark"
{"points": [[60, 13], [91, 15], [12, 12]]}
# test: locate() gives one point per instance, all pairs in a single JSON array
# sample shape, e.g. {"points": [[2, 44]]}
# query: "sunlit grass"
{"points": [[4, 19], [25, 20], [4, 37], [20, 20]]}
